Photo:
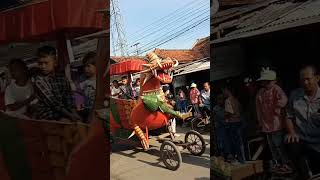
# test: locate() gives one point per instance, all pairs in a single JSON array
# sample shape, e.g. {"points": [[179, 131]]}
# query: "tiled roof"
{"points": [[270, 16], [238, 12], [200, 50], [203, 46], [180, 55], [123, 58]]}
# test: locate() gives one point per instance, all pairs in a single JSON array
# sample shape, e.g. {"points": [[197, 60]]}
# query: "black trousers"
{"points": [[304, 158]]}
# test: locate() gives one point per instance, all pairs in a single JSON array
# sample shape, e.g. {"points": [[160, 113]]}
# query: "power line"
{"points": [[172, 23], [184, 24], [155, 41], [145, 50], [195, 36], [136, 46], [160, 20], [171, 26], [179, 34]]}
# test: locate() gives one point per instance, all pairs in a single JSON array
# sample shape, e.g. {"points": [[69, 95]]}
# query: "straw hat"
{"points": [[267, 75], [193, 85]]}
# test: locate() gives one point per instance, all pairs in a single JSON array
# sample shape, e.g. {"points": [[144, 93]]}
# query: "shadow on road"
{"points": [[129, 149], [186, 158]]}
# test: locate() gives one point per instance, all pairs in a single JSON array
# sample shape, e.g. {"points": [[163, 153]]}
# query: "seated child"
{"points": [[53, 89], [88, 86], [19, 94]]}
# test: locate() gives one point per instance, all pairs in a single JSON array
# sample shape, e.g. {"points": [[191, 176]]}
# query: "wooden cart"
{"points": [[39, 149]]}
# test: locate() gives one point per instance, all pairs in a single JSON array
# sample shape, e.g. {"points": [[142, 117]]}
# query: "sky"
{"points": [[138, 14]]}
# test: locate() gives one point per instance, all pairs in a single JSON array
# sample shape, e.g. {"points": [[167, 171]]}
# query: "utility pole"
{"points": [[137, 49]]}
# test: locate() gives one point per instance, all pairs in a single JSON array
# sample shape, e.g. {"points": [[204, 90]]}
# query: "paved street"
{"points": [[135, 164]]}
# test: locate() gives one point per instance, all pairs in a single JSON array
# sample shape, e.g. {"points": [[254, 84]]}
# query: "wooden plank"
{"points": [[249, 169]]}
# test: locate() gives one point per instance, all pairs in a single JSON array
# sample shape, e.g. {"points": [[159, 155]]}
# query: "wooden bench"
{"points": [[239, 171]]}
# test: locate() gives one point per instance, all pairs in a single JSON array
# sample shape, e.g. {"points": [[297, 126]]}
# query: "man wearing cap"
{"points": [[270, 103], [194, 98]]}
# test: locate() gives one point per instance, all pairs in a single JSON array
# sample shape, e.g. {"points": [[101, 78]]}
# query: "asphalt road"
{"points": [[128, 163]]}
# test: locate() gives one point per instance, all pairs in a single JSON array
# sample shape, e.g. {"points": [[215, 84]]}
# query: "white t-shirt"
{"points": [[89, 87], [115, 91], [15, 93]]}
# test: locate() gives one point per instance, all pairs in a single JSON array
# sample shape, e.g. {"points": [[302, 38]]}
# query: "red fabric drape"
{"points": [[44, 20], [126, 67], [91, 159]]}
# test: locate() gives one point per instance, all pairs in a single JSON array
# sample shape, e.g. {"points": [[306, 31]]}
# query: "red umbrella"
{"points": [[127, 67]]}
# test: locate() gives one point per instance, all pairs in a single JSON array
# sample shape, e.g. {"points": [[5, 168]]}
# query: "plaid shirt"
{"points": [[54, 94]]}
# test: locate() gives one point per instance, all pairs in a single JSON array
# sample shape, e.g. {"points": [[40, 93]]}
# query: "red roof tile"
{"points": [[180, 55], [123, 58], [203, 46], [200, 50]]}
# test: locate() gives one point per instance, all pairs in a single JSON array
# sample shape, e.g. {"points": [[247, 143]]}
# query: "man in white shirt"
{"points": [[115, 90]]}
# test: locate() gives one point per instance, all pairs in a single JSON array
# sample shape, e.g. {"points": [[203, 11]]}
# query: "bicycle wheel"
{"points": [[198, 124]]}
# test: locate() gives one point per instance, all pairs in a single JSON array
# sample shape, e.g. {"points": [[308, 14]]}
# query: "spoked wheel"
{"points": [[198, 125], [170, 155], [197, 145]]}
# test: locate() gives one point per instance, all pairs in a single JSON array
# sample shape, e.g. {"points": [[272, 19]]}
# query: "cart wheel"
{"points": [[170, 155], [198, 125], [197, 145]]}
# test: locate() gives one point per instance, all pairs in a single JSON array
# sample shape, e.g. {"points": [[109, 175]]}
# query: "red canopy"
{"points": [[125, 67], [44, 20]]}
